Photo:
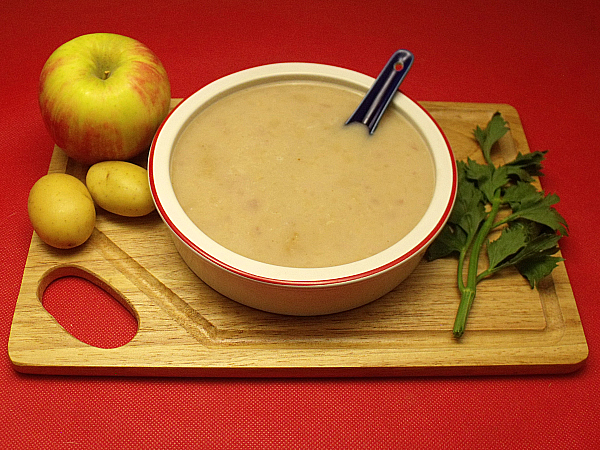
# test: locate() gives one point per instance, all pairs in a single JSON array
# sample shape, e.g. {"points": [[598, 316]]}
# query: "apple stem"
{"points": [[106, 74]]}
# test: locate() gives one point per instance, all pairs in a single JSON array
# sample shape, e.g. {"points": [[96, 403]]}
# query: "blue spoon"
{"points": [[375, 102]]}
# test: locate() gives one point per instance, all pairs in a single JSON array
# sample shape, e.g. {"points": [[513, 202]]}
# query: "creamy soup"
{"points": [[272, 173]]}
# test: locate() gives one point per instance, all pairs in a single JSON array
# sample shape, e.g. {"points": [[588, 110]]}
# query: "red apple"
{"points": [[103, 96]]}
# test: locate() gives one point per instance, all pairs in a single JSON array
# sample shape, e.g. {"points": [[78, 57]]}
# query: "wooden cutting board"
{"points": [[187, 329]]}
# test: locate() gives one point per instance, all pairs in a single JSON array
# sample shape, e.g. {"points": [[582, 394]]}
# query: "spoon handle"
{"points": [[375, 102]]}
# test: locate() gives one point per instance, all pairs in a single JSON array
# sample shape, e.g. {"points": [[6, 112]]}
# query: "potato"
{"points": [[121, 188], [61, 210]]}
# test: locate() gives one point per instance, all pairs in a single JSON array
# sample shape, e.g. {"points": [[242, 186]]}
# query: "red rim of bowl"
{"points": [[287, 282]]}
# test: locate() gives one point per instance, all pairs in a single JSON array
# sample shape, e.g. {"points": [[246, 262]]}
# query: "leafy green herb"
{"points": [[492, 199]]}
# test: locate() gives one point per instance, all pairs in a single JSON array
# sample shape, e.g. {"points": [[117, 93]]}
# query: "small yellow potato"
{"points": [[120, 187], [61, 210]]}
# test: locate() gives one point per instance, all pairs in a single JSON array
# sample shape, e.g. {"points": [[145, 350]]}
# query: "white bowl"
{"points": [[290, 290]]}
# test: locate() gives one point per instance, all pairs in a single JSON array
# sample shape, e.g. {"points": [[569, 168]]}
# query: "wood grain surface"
{"points": [[187, 329]]}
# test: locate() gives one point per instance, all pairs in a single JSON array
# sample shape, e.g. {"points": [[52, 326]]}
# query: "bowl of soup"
{"points": [[274, 202]]}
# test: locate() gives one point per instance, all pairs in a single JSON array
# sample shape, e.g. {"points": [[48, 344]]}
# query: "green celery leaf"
{"points": [[487, 177], [499, 178], [521, 195], [529, 162], [469, 210], [544, 244], [516, 173], [542, 212], [534, 269], [464, 221], [487, 137], [531, 229], [452, 239], [536, 249], [510, 241], [477, 172]]}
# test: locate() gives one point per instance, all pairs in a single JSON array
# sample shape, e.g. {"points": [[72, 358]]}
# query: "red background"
{"points": [[539, 56]]}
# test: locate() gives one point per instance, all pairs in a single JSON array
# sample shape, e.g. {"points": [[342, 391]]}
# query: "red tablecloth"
{"points": [[541, 57]]}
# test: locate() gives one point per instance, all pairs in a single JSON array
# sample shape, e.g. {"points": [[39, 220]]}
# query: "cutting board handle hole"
{"points": [[87, 308]]}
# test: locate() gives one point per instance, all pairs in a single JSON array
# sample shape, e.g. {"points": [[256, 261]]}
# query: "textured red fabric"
{"points": [[89, 313], [540, 57]]}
